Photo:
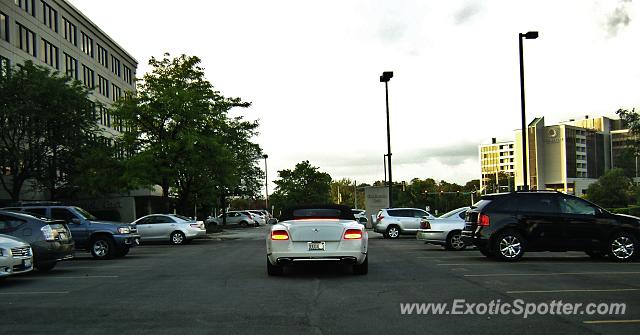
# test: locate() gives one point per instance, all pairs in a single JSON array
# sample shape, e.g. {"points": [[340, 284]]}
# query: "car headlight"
{"points": [[124, 230]]}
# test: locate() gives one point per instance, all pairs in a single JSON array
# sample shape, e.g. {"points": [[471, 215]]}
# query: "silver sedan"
{"points": [[16, 256], [444, 230], [176, 229]]}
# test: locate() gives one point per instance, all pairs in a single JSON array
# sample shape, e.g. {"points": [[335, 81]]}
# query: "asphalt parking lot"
{"points": [[220, 286]]}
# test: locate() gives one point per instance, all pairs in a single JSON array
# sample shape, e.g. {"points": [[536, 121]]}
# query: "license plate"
{"points": [[27, 263], [316, 245]]}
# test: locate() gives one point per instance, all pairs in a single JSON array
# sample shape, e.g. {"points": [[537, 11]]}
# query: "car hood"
{"points": [[112, 223], [11, 242]]}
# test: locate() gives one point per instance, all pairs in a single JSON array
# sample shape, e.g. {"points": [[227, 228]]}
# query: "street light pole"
{"points": [[530, 36], [266, 183], [384, 78]]}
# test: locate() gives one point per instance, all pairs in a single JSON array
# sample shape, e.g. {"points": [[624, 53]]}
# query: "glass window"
{"points": [[102, 56], [537, 203], [9, 223], [87, 45], [576, 206], [26, 40], [62, 214], [4, 27], [49, 53], [164, 219], [49, 16], [70, 31], [39, 212], [419, 213], [71, 66], [88, 77]]}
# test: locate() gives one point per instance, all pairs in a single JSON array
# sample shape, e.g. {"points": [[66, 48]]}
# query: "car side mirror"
{"points": [[272, 221], [75, 221]]}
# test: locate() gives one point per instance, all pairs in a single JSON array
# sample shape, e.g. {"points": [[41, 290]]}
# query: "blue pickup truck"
{"points": [[104, 239]]}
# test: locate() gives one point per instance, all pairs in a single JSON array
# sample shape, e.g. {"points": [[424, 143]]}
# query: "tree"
{"points": [[46, 120], [181, 125], [305, 184], [612, 190]]}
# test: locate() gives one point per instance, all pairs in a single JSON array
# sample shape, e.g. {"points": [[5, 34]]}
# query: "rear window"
{"points": [[320, 213], [481, 204]]}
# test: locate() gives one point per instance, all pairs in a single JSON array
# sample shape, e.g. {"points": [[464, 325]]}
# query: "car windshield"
{"points": [[85, 215]]}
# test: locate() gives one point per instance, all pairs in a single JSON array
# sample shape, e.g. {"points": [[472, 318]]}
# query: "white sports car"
{"points": [[317, 233]]}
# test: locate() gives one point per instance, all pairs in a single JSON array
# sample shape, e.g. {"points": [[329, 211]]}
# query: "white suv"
{"points": [[392, 222]]}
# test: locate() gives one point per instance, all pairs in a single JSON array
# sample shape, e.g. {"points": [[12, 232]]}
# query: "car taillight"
{"points": [[47, 231], [195, 225], [380, 217], [483, 220], [353, 234], [424, 224], [279, 235]]}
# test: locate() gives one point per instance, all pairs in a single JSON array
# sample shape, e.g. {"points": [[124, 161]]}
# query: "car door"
{"points": [[163, 226], [585, 226], [144, 226], [413, 222], [540, 218], [78, 227]]}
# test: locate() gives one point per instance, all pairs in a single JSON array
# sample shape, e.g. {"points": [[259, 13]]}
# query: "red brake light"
{"points": [[279, 235], [380, 217], [483, 220], [353, 234], [424, 224]]}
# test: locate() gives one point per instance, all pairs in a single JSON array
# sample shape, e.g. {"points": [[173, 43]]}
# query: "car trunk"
{"points": [[316, 230]]}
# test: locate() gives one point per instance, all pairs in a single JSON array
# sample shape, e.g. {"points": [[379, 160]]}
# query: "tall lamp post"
{"points": [[532, 35], [266, 183], [384, 78]]}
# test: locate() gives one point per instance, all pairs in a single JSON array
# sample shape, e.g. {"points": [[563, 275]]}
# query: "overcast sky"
{"points": [[311, 70]]}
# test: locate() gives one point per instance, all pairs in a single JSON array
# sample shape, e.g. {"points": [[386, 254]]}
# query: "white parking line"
{"points": [[611, 321], [109, 267], [33, 293], [551, 274], [81, 277], [448, 257], [460, 264], [583, 290]]}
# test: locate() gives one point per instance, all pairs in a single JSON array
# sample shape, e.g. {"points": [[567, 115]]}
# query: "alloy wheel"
{"points": [[177, 238], [101, 248], [456, 242], [393, 232], [622, 247], [510, 246]]}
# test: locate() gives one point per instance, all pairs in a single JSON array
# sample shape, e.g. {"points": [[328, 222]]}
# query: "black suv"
{"points": [[505, 225]]}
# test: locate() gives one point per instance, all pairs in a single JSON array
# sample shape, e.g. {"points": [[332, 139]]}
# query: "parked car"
{"points": [[50, 240], [444, 230], [104, 239], [257, 217], [507, 225], [317, 233], [176, 229], [239, 218], [392, 222], [16, 256], [360, 215]]}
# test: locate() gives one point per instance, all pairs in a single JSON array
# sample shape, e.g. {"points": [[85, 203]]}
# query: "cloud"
{"points": [[468, 11], [391, 30], [619, 18]]}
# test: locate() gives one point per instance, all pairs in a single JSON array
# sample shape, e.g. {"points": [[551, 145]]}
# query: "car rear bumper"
{"points": [[356, 257], [52, 251], [431, 236], [195, 233]]}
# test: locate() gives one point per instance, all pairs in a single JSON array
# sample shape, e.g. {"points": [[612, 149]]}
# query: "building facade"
{"points": [[569, 156], [55, 34], [497, 160]]}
